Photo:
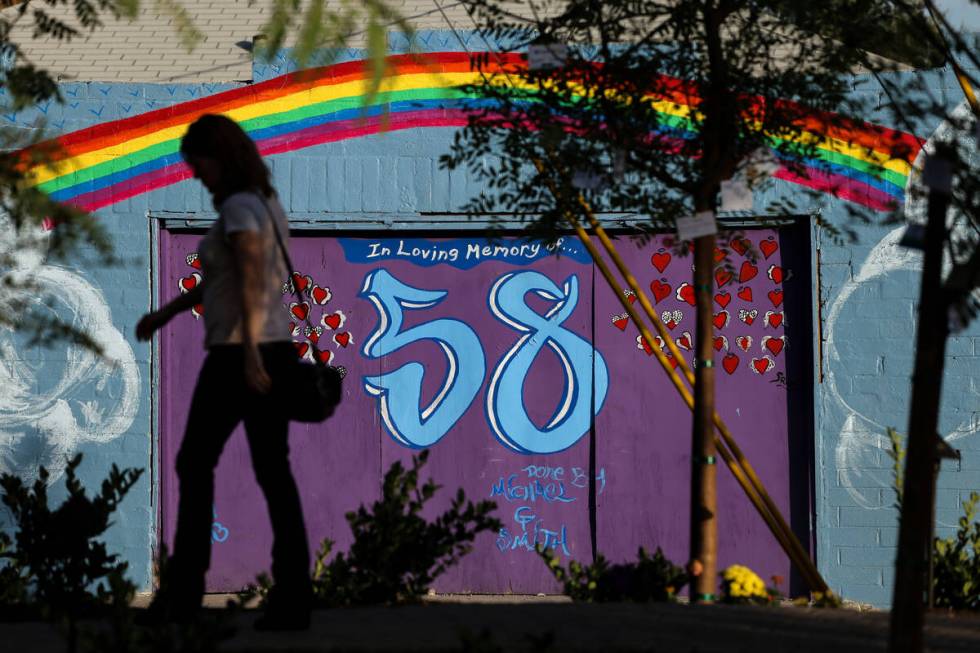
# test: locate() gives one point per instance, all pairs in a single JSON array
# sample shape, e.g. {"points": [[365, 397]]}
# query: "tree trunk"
{"points": [[915, 529], [704, 532]]}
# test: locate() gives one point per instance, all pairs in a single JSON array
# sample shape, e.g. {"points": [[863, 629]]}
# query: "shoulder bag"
{"points": [[313, 389]]}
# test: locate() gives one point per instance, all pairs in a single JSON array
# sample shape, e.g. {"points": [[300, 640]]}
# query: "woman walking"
{"points": [[249, 354]]}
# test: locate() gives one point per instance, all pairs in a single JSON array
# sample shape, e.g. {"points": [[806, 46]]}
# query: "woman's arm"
{"points": [[156, 319], [246, 247]]}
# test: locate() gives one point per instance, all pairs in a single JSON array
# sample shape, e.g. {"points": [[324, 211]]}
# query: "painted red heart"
{"points": [[323, 356], [671, 319], [293, 329], [744, 342], [747, 272], [313, 335], [661, 260], [730, 363], [300, 310], [740, 245], [642, 343], [775, 345], [775, 273], [761, 365], [660, 291], [723, 298], [320, 295], [186, 284], [333, 321], [722, 276], [745, 293], [342, 339], [748, 316], [684, 342], [685, 293], [621, 321], [774, 319], [672, 361], [198, 310], [302, 348], [194, 260], [300, 283], [719, 255], [720, 319], [776, 297], [630, 296], [768, 247], [721, 342]]}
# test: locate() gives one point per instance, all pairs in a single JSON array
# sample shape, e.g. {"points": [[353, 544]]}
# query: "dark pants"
{"points": [[221, 400]]}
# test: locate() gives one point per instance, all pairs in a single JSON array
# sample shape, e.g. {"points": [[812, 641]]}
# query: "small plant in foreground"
{"points": [[956, 560], [66, 571], [396, 553], [739, 584], [956, 573], [650, 578]]}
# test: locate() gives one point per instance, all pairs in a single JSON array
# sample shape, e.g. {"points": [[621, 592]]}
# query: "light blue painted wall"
{"points": [[868, 293], [392, 179]]}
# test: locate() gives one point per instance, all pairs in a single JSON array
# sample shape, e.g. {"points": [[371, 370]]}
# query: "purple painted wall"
{"points": [[502, 336]]}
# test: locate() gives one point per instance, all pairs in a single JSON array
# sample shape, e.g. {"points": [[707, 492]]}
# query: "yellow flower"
{"points": [[743, 583]]}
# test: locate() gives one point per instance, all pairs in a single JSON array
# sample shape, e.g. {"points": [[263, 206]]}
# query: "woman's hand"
{"points": [[154, 320], [256, 378], [149, 323]]}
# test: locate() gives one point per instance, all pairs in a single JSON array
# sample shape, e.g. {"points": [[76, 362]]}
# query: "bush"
{"points": [[650, 578], [397, 554], [956, 576], [956, 560], [57, 564]]}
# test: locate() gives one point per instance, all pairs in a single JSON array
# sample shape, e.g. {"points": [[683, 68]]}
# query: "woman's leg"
{"points": [[214, 413], [267, 429]]}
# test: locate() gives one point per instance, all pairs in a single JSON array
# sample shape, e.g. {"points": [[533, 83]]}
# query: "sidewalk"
{"points": [[531, 625]]}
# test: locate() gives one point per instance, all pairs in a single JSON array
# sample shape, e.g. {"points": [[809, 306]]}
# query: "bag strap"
{"points": [[289, 263]]}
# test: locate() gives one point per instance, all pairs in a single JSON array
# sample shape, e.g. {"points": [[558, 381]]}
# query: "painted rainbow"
{"points": [[113, 161]]}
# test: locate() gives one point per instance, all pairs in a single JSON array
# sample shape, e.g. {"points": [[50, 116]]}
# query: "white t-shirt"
{"points": [[222, 286]]}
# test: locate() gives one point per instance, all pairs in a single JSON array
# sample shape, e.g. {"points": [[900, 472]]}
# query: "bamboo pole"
{"points": [[735, 460], [720, 425], [783, 536]]}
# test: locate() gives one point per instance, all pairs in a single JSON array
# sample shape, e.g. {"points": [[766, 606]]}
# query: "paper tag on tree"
{"points": [[545, 56], [735, 195], [696, 226]]}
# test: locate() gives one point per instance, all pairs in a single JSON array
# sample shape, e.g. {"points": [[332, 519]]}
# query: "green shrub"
{"points": [[956, 575], [396, 553], [58, 564], [956, 560], [650, 578]]}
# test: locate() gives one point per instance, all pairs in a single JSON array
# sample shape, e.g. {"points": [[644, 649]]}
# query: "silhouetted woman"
{"points": [[248, 351]]}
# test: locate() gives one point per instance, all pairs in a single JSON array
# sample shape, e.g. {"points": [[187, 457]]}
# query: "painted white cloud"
{"points": [[53, 400]]}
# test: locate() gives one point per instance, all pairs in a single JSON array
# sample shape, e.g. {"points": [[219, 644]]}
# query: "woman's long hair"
{"points": [[220, 138]]}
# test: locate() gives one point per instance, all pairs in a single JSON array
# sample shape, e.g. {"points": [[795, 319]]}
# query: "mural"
{"points": [[52, 402], [525, 381], [862, 440], [115, 160], [498, 358]]}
